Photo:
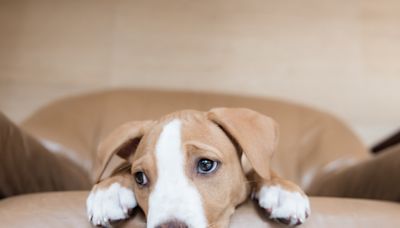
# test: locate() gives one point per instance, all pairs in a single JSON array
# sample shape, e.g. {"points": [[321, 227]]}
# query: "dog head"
{"points": [[190, 167]]}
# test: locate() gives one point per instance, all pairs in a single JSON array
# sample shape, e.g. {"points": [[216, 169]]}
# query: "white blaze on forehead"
{"points": [[173, 197]]}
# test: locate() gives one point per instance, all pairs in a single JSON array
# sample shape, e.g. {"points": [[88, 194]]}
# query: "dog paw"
{"points": [[107, 204], [290, 208]]}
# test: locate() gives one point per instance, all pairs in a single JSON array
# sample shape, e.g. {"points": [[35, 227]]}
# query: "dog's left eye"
{"points": [[141, 179], [206, 166]]}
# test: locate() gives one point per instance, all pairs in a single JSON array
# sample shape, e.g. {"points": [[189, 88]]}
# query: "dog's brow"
{"points": [[138, 162], [205, 147]]}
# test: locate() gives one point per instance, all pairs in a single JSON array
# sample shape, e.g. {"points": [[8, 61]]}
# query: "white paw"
{"points": [[291, 208], [109, 204]]}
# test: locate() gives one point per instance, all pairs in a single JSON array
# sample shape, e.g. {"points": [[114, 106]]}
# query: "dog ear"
{"points": [[255, 134], [123, 141]]}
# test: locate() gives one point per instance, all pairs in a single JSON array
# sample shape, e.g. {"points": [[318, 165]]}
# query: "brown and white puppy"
{"points": [[192, 168]]}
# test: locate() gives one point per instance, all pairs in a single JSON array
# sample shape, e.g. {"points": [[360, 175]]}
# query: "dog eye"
{"points": [[141, 178], [206, 166]]}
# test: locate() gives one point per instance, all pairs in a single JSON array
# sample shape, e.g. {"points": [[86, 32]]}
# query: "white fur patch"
{"points": [[173, 197], [284, 204], [109, 204]]}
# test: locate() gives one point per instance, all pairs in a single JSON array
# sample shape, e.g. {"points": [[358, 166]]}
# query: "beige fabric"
{"points": [[309, 139], [65, 209], [26, 166], [378, 178]]}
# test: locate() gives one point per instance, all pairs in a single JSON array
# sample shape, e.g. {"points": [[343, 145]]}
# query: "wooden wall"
{"points": [[342, 56]]}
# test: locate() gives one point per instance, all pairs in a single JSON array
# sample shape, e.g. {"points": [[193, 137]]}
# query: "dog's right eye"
{"points": [[141, 179], [206, 166]]}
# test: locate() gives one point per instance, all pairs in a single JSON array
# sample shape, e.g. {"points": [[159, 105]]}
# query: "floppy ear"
{"points": [[256, 134], [123, 141]]}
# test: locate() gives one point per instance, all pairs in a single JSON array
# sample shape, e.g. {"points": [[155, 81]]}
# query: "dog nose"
{"points": [[173, 224]]}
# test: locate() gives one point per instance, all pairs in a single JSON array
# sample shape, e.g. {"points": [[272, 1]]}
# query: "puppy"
{"points": [[192, 168]]}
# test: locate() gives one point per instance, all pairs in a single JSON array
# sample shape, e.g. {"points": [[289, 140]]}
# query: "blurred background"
{"points": [[340, 56]]}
